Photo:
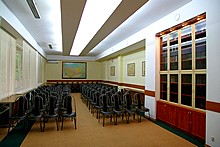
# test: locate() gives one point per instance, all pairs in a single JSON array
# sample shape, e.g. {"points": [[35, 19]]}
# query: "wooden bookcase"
{"points": [[183, 76], [183, 64]]}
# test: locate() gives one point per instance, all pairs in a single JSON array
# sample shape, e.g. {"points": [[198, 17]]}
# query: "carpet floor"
{"points": [[91, 133]]}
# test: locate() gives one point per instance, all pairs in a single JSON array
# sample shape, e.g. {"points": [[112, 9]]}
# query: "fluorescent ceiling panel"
{"points": [[95, 14]]}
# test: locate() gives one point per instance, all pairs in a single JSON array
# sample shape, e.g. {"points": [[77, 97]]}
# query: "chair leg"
{"points": [[103, 120], [62, 119], [127, 118], [9, 126], [41, 129], [116, 119], [57, 124], [75, 122]]}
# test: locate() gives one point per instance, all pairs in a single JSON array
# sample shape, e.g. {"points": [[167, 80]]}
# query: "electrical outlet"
{"points": [[212, 138]]}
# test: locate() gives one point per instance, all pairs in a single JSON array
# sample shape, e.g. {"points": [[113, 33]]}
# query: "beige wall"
{"points": [[54, 71], [120, 64]]}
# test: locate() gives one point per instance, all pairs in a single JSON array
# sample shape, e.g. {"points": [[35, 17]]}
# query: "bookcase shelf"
{"points": [[183, 76], [183, 65]]}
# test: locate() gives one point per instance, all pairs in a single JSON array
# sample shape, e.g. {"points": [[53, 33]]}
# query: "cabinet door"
{"points": [[198, 124], [171, 114], [183, 119], [161, 111]]}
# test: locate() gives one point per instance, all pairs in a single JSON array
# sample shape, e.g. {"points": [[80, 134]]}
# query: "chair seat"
{"points": [[73, 114], [51, 115], [106, 113], [119, 111], [18, 117]]}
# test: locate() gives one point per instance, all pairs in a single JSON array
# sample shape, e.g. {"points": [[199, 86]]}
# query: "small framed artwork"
{"points": [[74, 70], [143, 68], [131, 69], [112, 70]]}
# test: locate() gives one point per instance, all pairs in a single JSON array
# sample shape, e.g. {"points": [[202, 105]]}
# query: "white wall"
{"points": [[17, 25], [192, 9]]}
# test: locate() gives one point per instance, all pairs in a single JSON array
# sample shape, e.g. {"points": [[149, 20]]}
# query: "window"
{"points": [[19, 68]]}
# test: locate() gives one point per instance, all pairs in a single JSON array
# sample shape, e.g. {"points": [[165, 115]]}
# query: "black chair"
{"points": [[129, 107], [105, 110], [37, 111], [140, 109], [118, 110], [18, 112], [95, 102], [69, 109], [52, 111]]}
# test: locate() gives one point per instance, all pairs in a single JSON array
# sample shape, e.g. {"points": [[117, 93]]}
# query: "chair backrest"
{"points": [[52, 104], [128, 100], [68, 103], [21, 105], [38, 105], [137, 97], [115, 98], [109, 94], [104, 102], [96, 97]]}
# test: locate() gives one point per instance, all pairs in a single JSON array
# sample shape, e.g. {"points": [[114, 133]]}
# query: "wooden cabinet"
{"points": [[166, 113], [188, 120], [198, 124]]}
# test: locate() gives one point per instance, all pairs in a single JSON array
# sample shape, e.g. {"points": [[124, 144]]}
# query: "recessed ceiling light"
{"points": [[100, 9]]}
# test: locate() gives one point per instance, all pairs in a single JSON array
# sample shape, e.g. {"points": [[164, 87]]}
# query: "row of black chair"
{"points": [[109, 102], [44, 103]]}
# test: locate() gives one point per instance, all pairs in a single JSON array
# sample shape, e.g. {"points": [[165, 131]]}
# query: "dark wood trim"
{"points": [[213, 106], [133, 86], [206, 145], [110, 82], [149, 93], [73, 81]]}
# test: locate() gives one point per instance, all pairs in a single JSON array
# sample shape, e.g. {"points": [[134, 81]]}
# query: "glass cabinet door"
{"points": [[174, 88], [200, 98], [200, 42], [186, 89], [174, 51], [163, 54], [186, 48], [163, 87]]}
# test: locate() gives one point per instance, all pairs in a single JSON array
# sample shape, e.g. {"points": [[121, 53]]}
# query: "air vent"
{"points": [[50, 46]]}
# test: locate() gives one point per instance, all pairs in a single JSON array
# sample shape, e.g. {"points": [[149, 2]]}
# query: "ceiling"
{"points": [[130, 17]]}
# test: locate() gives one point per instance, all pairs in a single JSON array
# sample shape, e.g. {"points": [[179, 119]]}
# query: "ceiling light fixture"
{"points": [[95, 14], [33, 8]]}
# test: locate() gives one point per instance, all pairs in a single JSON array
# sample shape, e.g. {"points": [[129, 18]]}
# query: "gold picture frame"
{"points": [[143, 68], [131, 69], [112, 71]]}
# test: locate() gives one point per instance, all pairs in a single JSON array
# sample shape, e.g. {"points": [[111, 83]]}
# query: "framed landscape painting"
{"points": [[131, 69], [112, 70], [74, 70]]}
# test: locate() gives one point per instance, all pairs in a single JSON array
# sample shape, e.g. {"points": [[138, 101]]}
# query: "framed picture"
{"points": [[131, 69], [143, 68], [112, 71], [74, 70]]}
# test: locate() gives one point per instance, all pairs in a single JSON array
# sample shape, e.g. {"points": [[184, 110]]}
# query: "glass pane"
{"points": [[163, 54], [186, 48], [186, 89], [163, 87], [174, 51], [200, 99], [174, 88], [201, 45]]}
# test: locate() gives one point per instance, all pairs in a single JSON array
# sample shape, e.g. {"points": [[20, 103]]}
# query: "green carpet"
{"points": [[16, 136]]}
